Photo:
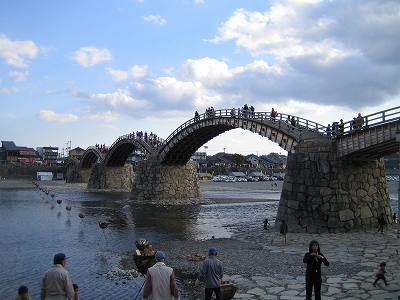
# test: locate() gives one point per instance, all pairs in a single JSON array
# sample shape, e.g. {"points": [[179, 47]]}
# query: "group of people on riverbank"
{"points": [[160, 281]]}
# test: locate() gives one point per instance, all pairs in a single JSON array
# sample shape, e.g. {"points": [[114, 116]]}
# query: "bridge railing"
{"points": [[153, 142], [301, 123], [370, 121]]}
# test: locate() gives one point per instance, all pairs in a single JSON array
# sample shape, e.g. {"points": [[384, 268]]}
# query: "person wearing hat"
{"points": [[56, 282], [212, 273], [160, 283]]}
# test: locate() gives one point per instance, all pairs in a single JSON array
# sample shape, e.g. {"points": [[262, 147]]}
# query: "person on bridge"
{"points": [[274, 113], [252, 111], [341, 126], [233, 112], [293, 122], [196, 116], [328, 131]]}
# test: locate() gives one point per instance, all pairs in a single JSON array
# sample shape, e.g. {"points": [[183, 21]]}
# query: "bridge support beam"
{"points": [[118, 178], [167, 184], [323, 193]]}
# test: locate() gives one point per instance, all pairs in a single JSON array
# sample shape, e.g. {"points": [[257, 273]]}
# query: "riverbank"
{"points": [[257, 261]]}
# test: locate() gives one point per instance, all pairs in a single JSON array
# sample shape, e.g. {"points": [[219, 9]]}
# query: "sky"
{"points": [[80, 73]]}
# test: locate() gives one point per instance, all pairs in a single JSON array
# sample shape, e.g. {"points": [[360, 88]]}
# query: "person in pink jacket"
{"points": [[160, 283]]}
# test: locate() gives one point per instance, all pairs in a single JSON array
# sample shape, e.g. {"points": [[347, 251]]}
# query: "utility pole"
{"points": [[68, 147]]}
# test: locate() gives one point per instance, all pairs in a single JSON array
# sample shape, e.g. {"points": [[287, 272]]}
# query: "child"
{"points": [[266, 223], [23, 293], [76, 288], [381, 274]]}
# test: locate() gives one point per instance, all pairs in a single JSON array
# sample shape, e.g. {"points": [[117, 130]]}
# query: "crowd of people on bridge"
{"points": [[151, 138], [102, 148], [337, 128], [357, 123]]}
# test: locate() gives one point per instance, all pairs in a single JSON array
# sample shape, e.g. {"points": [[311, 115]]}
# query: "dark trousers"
{"points": [[316, 283], [380, 276], [209, 291]]}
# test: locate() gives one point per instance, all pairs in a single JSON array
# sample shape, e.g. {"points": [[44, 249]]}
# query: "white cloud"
{"points": [[74, 92], [107, 116], [8, 116], [90, 56], [121, 102], [120, 76], [19, 76], [4, 90], [51, 116], [198, 1], [209, 71], [154, 18], [319, 51], [15, 53]]}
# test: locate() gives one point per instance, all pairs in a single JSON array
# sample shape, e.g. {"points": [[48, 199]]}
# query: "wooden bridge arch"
{"points": [[190, 136]]}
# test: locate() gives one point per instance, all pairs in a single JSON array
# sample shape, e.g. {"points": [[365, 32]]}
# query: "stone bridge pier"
{"points": [[78, 175], [172, 183], [324, 193], [103, 177]]}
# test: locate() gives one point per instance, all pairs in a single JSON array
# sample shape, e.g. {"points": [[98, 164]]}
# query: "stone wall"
{"points": [[165, 183], [78, 175], [119, 178], [324, 194]]}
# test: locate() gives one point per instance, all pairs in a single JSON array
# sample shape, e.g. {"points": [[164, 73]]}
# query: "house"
{"points": [[49, 154], [257, 174], [77, 152], [254, 160], [237, 174], [13, 153]]}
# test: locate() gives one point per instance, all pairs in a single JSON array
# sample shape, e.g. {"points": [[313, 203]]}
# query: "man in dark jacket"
{"points": [[212, 273]]}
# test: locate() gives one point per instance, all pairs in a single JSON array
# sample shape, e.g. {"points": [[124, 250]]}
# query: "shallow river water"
{"points": [[34, 227]]}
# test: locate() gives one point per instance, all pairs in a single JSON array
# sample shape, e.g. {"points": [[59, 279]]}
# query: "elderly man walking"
{"points": [[212, 272], [56, 282], [160, 283]]}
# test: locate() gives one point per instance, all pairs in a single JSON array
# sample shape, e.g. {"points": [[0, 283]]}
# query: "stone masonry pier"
{"points": [[154, 181], [324, 193], [102, 177]]}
